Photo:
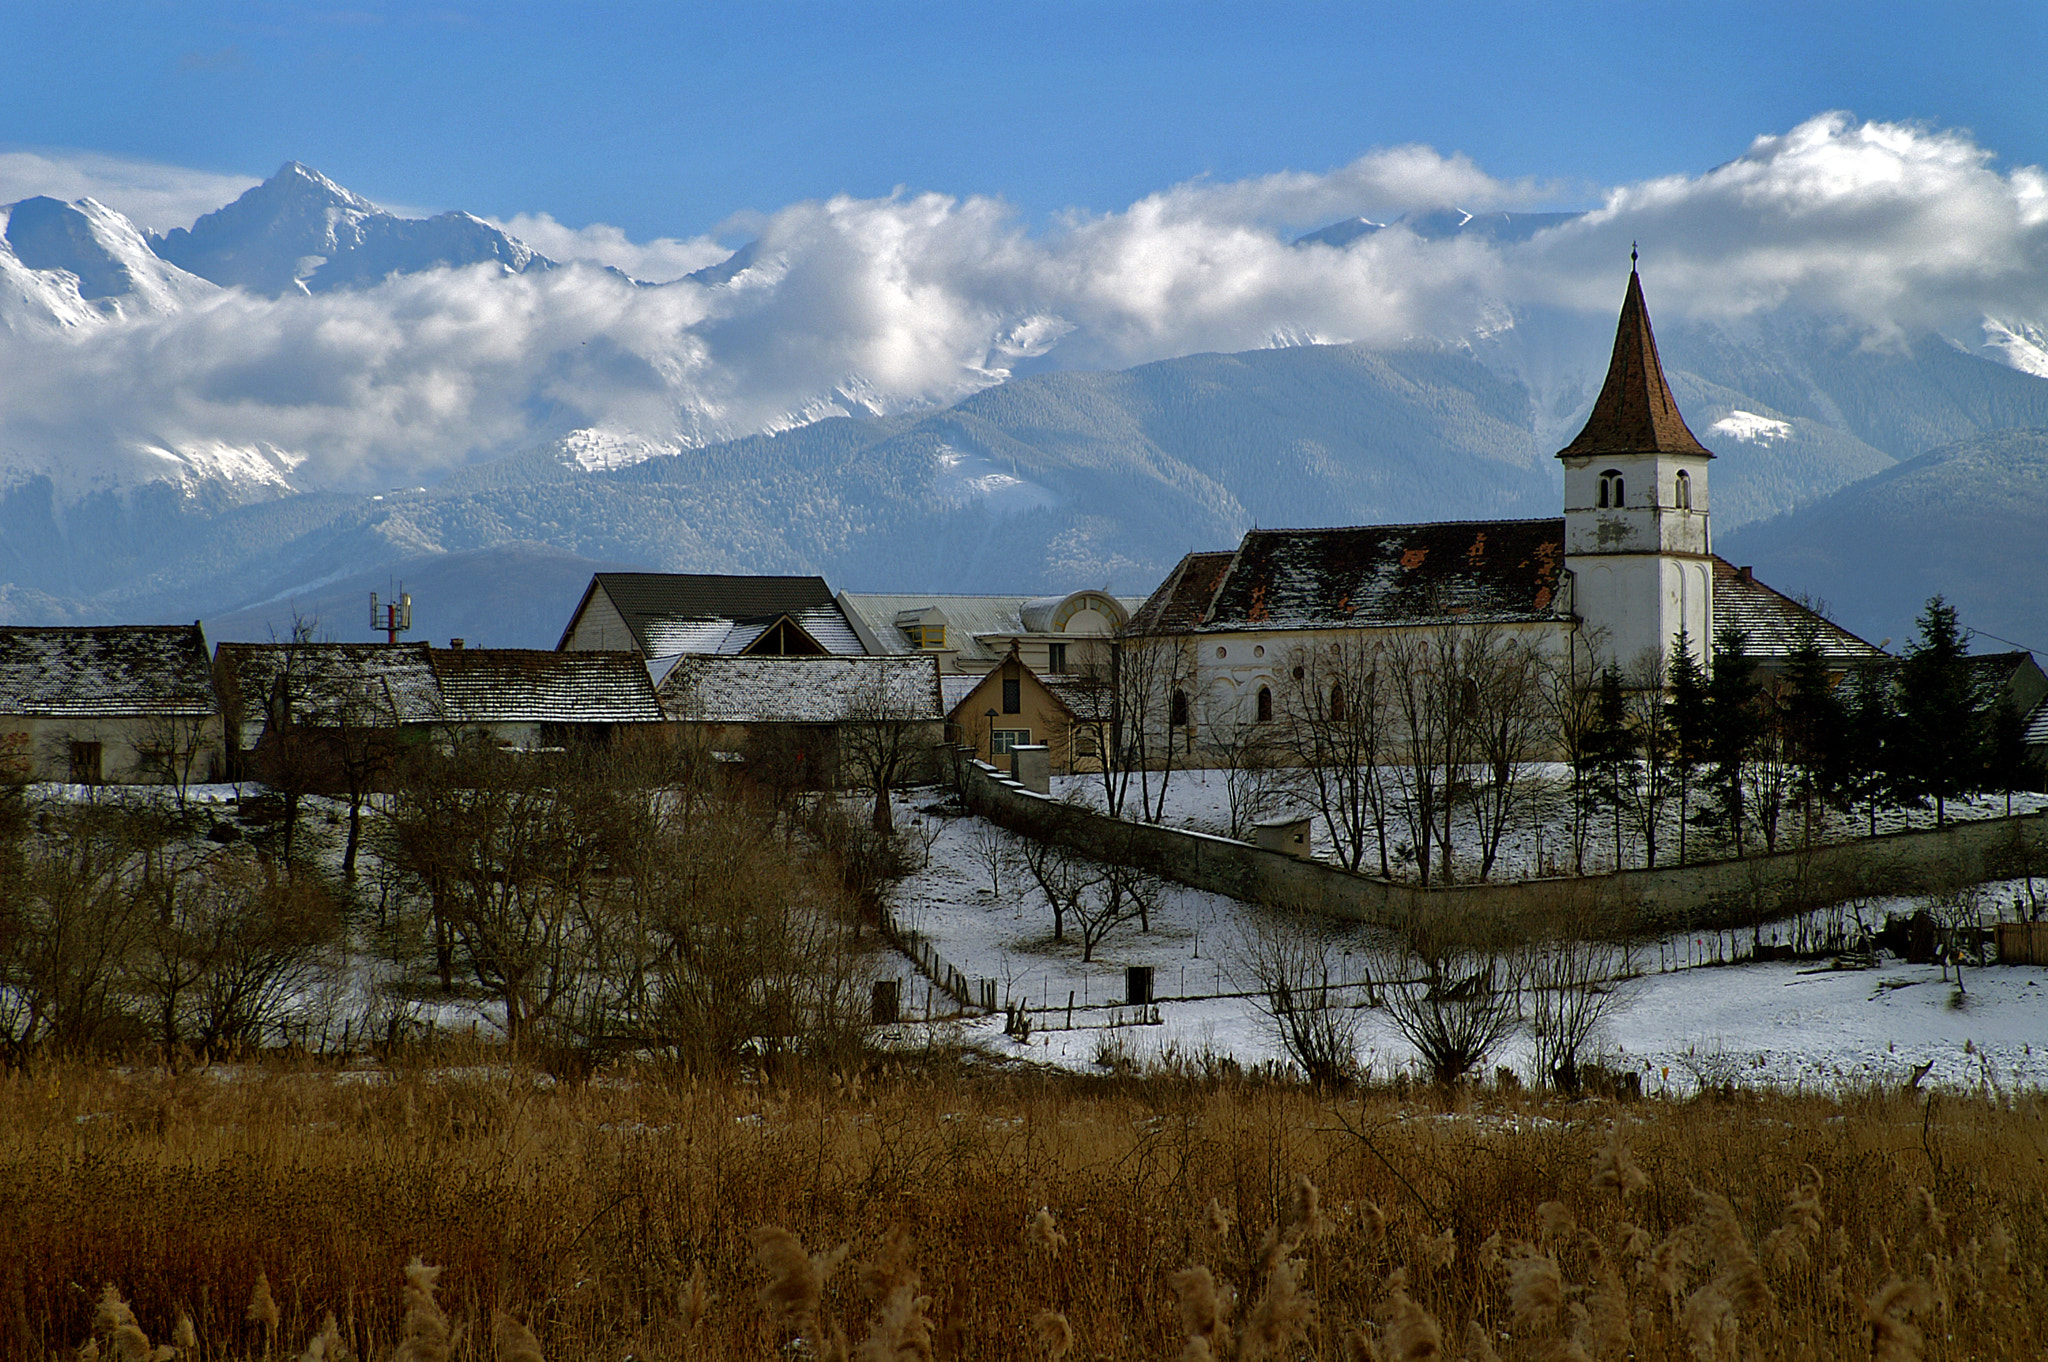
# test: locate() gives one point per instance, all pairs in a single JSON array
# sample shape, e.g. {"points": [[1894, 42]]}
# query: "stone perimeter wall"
{"points": [[1717, 894]]}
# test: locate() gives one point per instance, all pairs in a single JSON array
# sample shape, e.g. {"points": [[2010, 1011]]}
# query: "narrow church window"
{"points": [[1265, 704], [1610, 489], [1177, 715], [1337, 704], [1684, 491]]}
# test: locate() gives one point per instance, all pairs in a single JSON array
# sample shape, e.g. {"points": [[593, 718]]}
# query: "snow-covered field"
{"points": [[1539, 843], [1781, 1024]]}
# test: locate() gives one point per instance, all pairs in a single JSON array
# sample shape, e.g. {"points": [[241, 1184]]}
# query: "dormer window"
{"points": [[1683, 494], [927, 635], [1610, 488]]}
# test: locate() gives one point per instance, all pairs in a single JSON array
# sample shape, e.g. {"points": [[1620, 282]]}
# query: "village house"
{"points": [[1617, 577], [530, 699], [117, 705], [666, 614], [349, 702], [970, 635], [807, 722], [1012, 706]]}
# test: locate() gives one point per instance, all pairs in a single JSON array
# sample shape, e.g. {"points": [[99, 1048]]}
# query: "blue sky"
{"points": [[667, 120]]}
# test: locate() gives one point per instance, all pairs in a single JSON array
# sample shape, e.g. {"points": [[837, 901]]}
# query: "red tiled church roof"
{"points": [[1635, 413]]}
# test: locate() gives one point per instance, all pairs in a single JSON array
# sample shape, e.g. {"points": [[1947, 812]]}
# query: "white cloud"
{"points": [[599, 243], [158, 197], [920, 299]]}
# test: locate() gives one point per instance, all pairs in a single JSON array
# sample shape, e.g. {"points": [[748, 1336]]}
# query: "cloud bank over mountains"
{"points": [[918, 299]]}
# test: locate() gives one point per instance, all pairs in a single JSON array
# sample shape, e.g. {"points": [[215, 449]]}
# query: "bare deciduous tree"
{"points": [[1455, 998], [1124, 704], [1336, 731], [1295, 967]]}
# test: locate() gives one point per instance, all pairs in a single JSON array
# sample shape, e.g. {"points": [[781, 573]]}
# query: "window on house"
{"points": [[1055, 657], [1002, 740], [1684, 495], [927, 635], [1610, 488], [85, 763], [1084, 744], [1337, 704], [1265, 704], [1013, 695], [1177, 711]]}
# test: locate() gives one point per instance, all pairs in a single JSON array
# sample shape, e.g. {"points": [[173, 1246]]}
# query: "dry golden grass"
{"points": [[999, 1217]]}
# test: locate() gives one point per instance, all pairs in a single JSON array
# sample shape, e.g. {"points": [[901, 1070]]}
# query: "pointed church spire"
{"points": [[1635, 413]]}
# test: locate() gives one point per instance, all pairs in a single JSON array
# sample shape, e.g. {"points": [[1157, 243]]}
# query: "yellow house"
{"points": [[1008, 706]]}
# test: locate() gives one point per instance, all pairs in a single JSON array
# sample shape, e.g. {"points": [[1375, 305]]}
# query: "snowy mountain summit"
{"points": [[299, 232], [65, 265]]}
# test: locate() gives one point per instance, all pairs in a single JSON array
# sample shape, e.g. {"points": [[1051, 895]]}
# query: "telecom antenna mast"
{"points": [[393, 617]]}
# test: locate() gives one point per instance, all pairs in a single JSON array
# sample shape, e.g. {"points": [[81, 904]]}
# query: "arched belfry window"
{"points": [[1265, 704], [1684, 494], [1610, 488]]}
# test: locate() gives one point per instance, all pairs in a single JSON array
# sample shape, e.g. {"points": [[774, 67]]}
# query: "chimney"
{"points": [[456, 643], [1742, 574]]}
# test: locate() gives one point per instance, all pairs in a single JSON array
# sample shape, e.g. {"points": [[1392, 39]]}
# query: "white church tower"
{"points": [[1635, 509]]}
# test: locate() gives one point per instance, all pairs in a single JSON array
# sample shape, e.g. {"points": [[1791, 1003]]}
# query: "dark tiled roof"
{"points": [[1183, 598], [1774, 622], [370, 685], [799, 690], [1635, 413], [523, 685], [108, 671], [677, 612], [1391, 575]]}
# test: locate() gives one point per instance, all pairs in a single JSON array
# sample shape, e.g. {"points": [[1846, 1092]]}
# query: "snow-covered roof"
{"points": [[978, 628], [523, 685], [1774, 622], [800, 690], [1365, 575], [957, 686], [665, 636], [106, 672], [685, 612], [373, 685]]}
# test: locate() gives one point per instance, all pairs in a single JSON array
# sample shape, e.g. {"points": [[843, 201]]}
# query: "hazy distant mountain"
{"points": [[1969, 520], [1443, 222], [299, 231], [516, 595]]}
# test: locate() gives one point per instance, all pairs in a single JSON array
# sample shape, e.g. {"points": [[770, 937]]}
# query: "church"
{"points": [[1628, 565]]}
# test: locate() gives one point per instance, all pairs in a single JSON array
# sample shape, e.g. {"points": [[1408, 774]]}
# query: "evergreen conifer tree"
{"points": [[1942, 720], [1688, 725], [1733, 722], [1814, 725]]}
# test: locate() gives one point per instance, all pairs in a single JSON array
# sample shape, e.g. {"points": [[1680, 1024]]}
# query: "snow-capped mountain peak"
{"points": [[300, 232], [65, 265]]}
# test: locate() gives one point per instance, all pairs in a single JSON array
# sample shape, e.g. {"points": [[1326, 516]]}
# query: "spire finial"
{"points": [[1631, 257]]}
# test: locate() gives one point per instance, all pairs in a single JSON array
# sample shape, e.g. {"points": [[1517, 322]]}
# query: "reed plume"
{"points": [[326, 1345], [1412, 1333], [796, 1280], [1893, 1335], [1054, 1335], [1787, 1245], [1614, 1169], [1535, 1290], [1041, 1233], [1279, 1320], [116, 1321], [425, 1335], [1204, 1307], [263, 1310], [696, 1299], [513, 1340]]}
